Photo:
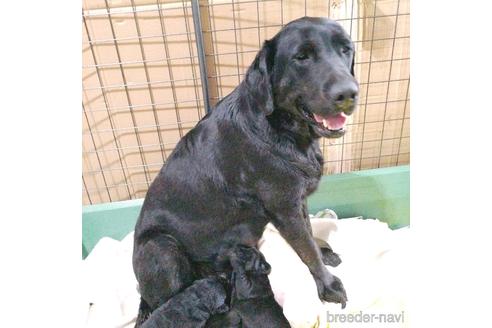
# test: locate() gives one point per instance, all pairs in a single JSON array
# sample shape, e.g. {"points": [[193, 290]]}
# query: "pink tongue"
{"points": [[332, 122]]}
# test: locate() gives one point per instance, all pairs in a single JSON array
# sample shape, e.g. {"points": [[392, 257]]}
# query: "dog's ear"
{"points": [[352, 67], [258, 78]]}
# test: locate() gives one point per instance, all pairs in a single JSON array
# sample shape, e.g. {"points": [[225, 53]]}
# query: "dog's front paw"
{"points": [[331, 290]]}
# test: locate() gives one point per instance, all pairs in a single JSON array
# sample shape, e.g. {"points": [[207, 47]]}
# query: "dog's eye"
{"points": [[346, 49], [302, 56]]}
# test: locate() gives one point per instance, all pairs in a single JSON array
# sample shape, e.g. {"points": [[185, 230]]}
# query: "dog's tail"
{"points": [[144, 312]]}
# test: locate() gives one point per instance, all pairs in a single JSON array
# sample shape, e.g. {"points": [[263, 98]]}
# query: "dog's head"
{"points": [[307, 70]]}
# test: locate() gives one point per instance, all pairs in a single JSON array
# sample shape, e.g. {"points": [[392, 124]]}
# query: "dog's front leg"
{"points": [[305, 217], [296, 233]]}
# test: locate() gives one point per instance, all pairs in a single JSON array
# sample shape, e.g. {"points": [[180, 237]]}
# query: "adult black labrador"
{"points": [[252, 301], [254, 159]]}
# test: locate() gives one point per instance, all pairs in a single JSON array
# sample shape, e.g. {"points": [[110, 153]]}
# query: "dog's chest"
{"points": [[298, 174], [311, 185], [312, 168]]}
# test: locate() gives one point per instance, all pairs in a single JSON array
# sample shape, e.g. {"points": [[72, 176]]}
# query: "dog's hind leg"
{"points": [[328, 256], [144, 312], [162, 270]]}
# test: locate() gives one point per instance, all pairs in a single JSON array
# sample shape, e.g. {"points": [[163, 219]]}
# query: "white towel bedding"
{"points": [[373, 271]]}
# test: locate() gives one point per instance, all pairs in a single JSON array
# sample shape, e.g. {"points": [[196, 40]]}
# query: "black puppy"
{"points": [[191, 308], [252, 301], [253, 159]]}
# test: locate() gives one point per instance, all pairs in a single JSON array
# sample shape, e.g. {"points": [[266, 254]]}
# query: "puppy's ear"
{"points": [[258, 78], [261, 265], [352, 67]]}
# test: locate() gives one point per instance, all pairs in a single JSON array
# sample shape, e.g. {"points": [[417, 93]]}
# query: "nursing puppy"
{"points": [[252, 302], [191, 308], [252, 160]]}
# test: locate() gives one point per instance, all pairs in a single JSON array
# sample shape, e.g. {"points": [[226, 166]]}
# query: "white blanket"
{"points": [[373, 271]]}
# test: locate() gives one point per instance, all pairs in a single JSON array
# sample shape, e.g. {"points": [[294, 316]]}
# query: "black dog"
{"points": [[252, 301], [191, 308], [254, 159]]}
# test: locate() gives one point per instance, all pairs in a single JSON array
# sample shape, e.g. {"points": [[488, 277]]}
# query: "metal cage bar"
{"points": [[368, 83], [195, 7]]}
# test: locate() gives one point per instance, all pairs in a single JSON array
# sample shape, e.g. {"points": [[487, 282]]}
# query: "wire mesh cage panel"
{"points": [[143, 88]]}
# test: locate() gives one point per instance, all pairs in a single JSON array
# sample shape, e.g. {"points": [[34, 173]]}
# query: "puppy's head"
{"points": [[212, 294], [307, 69], [249, 274], [250, 260]]}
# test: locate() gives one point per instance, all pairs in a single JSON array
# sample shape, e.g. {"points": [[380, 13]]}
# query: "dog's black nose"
{"points": [[344, 93]]}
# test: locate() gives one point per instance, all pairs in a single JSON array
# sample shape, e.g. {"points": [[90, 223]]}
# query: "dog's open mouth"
{"points": [[332, 123], [329, 126]]}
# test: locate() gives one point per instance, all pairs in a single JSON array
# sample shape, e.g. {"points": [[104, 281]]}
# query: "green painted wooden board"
{"points": [[380, 193]]}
